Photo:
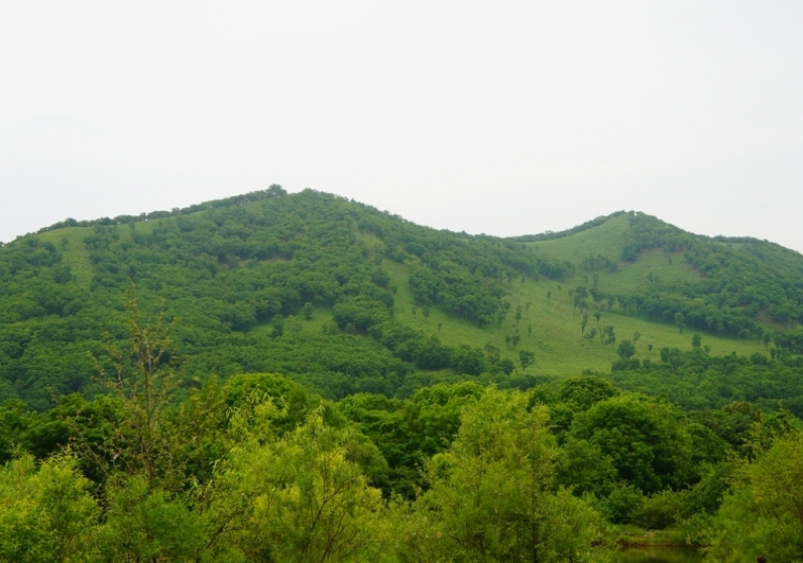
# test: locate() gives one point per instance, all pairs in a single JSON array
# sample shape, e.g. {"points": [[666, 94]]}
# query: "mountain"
{"points": [[345, 298]]}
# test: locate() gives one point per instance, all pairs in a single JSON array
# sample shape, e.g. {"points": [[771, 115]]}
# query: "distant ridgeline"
{"points": [[274, 191], [549, 235], [306, 285]]}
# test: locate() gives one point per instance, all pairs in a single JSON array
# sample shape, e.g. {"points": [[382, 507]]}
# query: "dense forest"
{"points": [[257, 468], [280, 377]]}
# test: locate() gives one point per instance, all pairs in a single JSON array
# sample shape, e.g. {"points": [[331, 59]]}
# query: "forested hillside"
{"points": [[346, 298], [241, 277], [737, 286], [280, 377], [259, 469]]}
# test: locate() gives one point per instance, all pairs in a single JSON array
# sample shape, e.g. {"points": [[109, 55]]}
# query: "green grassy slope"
{"points": [[556, 337], [76, 254], [608, 240]]}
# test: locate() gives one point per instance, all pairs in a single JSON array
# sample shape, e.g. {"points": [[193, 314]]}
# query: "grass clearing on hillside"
{"points": [[606, 239], [76, 255], [555, 336]]}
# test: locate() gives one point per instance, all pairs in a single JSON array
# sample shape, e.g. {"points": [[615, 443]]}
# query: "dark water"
{"points": [[657, 555]]}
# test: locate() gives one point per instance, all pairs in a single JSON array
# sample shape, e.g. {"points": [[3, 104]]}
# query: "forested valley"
{"points": [[279, 377]]}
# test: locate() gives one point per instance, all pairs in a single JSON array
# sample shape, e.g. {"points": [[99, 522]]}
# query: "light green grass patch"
{"points": [[633, 277], [556, 338], [606, 239], [70, 241]]}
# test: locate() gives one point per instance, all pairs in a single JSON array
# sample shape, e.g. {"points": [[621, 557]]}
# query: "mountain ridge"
{"points": [[257, 279], [275, 190]]}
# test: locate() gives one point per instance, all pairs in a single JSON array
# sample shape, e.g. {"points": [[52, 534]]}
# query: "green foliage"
{"points": [[568, 232], [222, 269], [236, 271], [720, 285], [526, 358], [647, 441], [408, 432], [262, 469], [44, 511], [762, 515], [196, 449], [696, 380], [626, 350], [301, 500], [584, 392], [585, 469], [599, 262], [745, 281], [229, 270], [146, 524], [492, 495]]}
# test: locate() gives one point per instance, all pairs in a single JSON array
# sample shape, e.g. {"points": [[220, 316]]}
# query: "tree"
{"points": [[144, 383], [585, 391], [673, 357], [492, 496], [46, 514], [608, 335], [584, 324], [526, 358], [466, 359], [306, 311], [506, 365], [146, 524], [626, 350], [300, 499], [647, 440], [277, 322], [680, 321], [762, 514], [584, 469], [696, 341]]}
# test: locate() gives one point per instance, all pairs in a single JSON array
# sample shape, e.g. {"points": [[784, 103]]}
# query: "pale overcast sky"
{"points": [[498, 117]]}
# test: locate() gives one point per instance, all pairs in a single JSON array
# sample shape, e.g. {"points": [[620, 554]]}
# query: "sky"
{"points": [[504, 118]]}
